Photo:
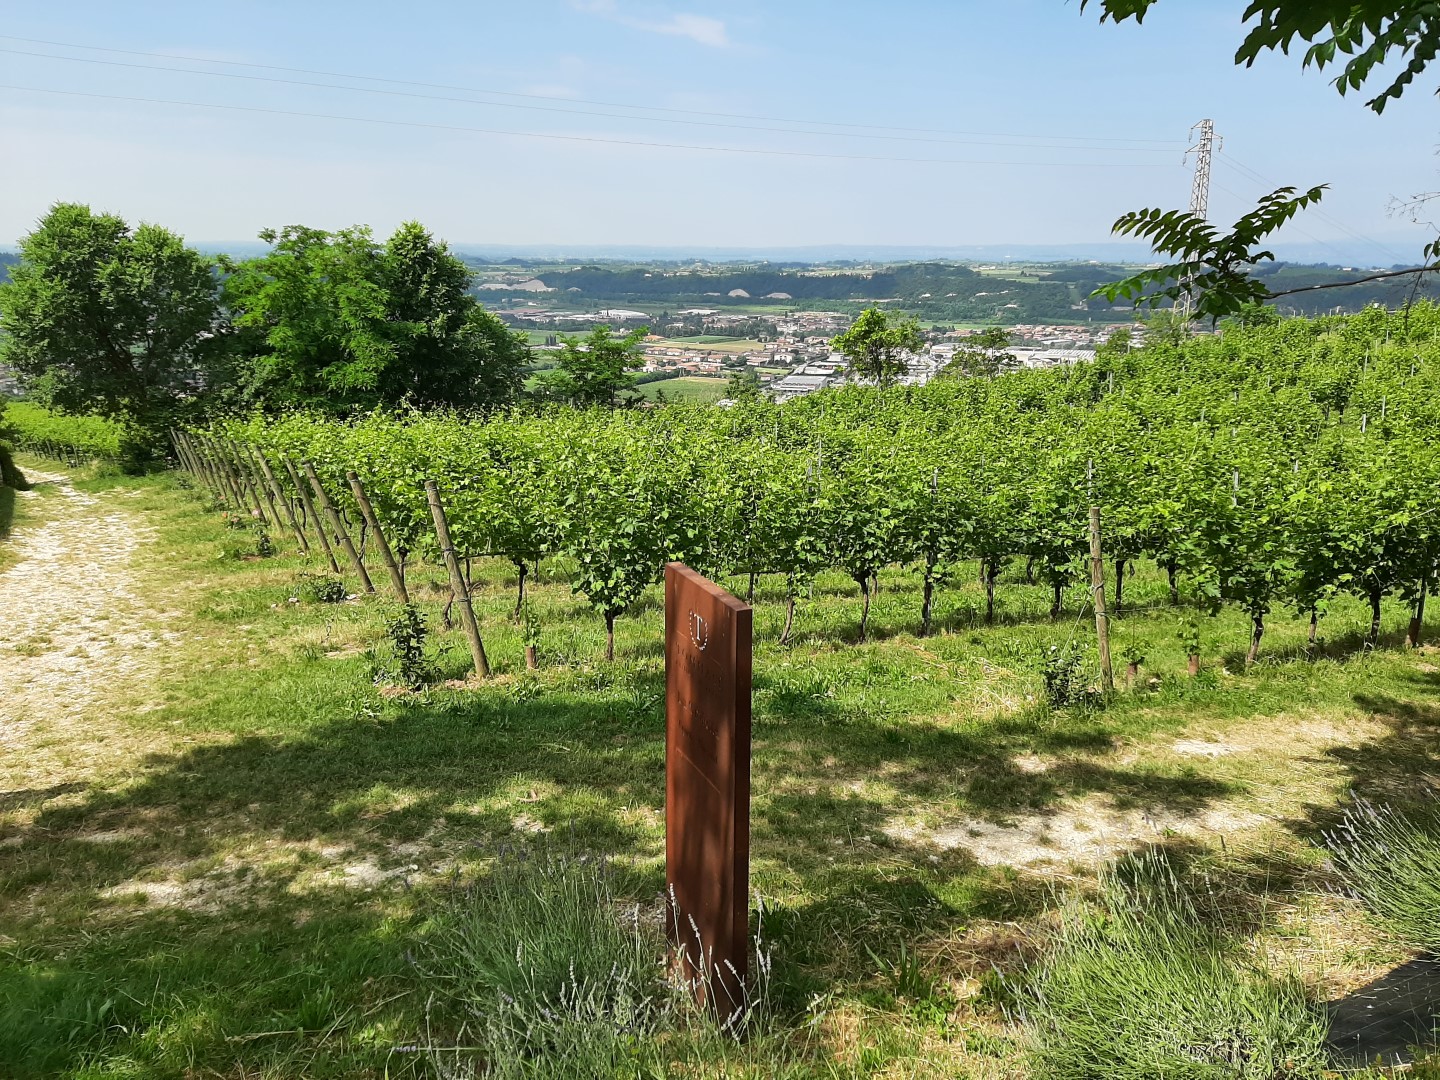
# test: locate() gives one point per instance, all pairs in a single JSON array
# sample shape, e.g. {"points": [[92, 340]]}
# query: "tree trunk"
{"points": [[1057, 604], [864, 583], [1030, 570], [789, 619], [928, 595], [1170, 570], [532, 662], [992, 571], [1255, 636], [1119, 584], [750, 592], [1132, 672], [1373, 638], [609, 636], [1417, 621], [1193, 664], [1314, 626], [520, 591]]}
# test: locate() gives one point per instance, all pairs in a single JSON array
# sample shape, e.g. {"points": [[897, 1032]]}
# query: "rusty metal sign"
{"points": [[707, 784]]}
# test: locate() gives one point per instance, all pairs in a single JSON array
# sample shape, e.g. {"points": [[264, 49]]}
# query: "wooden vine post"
{"points": [[362, 499], [262, 482], [457, 581], [180, 456], [207, 477], [232, 479], [247, 481], [312, 515], [1097, 592], [279, 493], [339, 527], [218, 483]]}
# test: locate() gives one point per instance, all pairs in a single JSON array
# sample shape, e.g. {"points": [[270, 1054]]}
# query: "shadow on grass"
{"points": [[1344, 647]]}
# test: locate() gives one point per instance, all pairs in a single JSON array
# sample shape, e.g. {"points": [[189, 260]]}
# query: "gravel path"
{"points": [[73, 627]]}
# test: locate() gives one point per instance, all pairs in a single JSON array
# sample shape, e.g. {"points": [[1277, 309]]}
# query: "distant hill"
{"points": [[7, 260], [939, 290]]}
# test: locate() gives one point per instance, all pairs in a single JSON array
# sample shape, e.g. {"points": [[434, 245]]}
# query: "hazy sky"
{"points": [[927, 122]]}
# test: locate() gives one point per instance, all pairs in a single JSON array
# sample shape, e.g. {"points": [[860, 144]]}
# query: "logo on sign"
{"points": [[699, 631]]}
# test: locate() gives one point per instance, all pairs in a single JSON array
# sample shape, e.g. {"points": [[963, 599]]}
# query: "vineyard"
{"points": [[62, 437], [260, 818], [1275, 466]]}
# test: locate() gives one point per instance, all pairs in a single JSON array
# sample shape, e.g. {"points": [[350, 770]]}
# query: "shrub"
{"points": [[540, 966], [407, 634], [1062, 668], [544, 972], [1140, 988], [10, 474], [1391, 860], [320, 588]]}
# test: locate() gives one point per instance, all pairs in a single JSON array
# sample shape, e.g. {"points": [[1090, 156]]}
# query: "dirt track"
{"points": [[72, 625]]}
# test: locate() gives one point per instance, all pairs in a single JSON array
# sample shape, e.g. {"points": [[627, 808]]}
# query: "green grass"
{"points": [[719, 343], [1391, 858], [236, 876], [1143, 987], [687, 388]]}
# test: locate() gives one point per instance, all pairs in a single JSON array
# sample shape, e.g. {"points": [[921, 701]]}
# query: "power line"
{"points": [[582, 101], [754, 151], [575, 112], [1256, 177], [1289, 225]]}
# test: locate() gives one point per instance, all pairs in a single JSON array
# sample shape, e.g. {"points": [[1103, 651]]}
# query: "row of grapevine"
{"points": [[1272, 465], [38, 430]]}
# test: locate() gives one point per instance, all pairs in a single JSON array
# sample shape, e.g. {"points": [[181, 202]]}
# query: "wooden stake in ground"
{"points": [[232, 476], [207, 477], [262, 482], [457, 581], [387, 556], [279, 492], [311, 514], [230, 493], [247, 480], [339, 527], [1097, 592]]}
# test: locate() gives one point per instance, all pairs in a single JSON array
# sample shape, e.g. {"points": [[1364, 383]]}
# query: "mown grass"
{"points": [[245, 895], [686, 388]]}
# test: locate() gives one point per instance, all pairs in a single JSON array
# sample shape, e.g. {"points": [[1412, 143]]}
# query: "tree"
{"points": [[335, 321], [983, 355], [741, 385], [106, 319], [598, 369], [876, 346], [1368, 33]]}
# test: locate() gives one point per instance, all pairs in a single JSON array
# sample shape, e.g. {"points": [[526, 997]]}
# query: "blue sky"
{"points": [[964, 123]]}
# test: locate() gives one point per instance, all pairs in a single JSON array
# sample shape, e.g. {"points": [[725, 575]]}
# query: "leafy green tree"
{"points": [[335, 321], [742, 385], [1358, 37], [875, 345], [983, 355], [1367, 32], [597, 369], [102, 318]]}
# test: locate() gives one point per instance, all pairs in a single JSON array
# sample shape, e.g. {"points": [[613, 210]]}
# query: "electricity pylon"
{"points": [[1203, 150]]}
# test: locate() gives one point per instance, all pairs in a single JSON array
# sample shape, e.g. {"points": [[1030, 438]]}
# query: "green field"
{"points": [[717, 343], [698, 388]]}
